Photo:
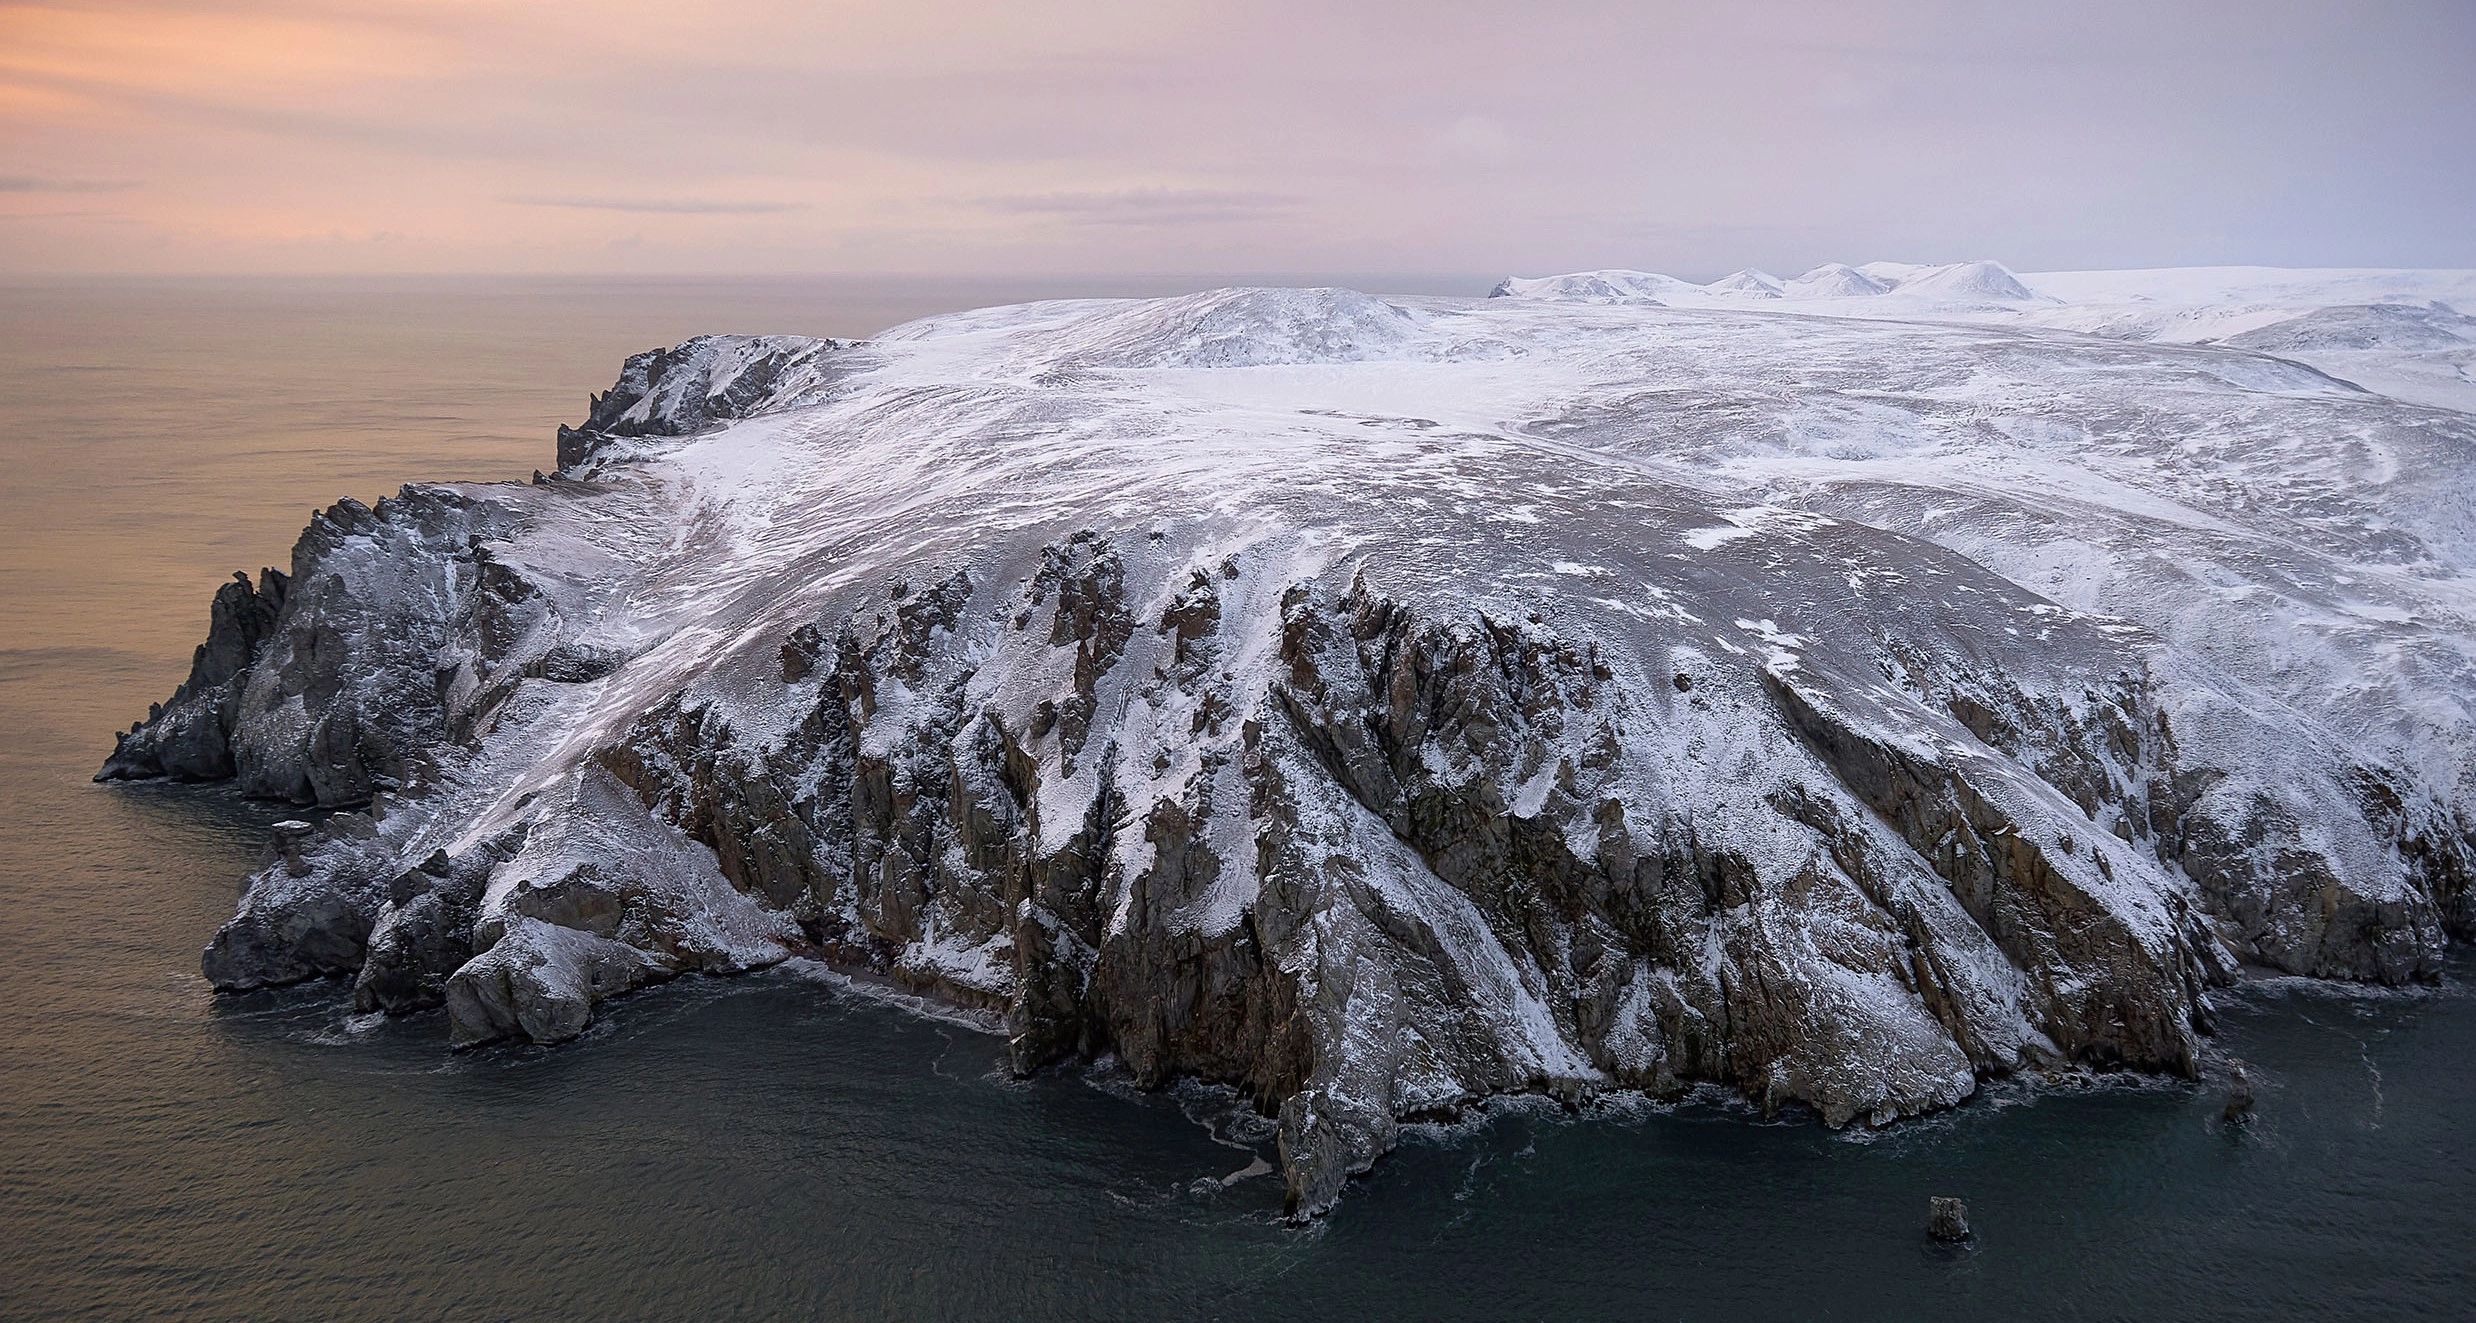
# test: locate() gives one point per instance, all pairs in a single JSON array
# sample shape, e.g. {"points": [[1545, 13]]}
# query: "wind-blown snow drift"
{"points": [[1381, 705]]}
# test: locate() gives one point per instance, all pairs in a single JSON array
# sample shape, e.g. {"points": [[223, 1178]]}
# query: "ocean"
{"points": [[783, 1145]]}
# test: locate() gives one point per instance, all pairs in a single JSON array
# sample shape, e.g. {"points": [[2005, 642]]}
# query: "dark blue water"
{"points": [[779, 1145]]}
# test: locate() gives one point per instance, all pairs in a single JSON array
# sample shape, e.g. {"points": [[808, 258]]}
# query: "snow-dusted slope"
{"points": [[2407, 334], [1380, 705]]}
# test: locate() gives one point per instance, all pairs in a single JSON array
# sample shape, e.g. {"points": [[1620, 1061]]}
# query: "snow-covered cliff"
{"points": [[1846, 689]]}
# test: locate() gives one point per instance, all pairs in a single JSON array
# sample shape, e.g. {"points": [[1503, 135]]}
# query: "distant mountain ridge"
{"points": [[1959, 282]]}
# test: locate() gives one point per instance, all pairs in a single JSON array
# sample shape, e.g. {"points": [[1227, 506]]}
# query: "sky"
{"points": [[978, 137]]}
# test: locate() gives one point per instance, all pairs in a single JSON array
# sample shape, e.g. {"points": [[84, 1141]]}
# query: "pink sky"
{"points": [[979, 136]]}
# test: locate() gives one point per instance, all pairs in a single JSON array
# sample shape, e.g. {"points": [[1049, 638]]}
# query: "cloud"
{"points": [[1116, 135], [1474, 138], [1143, 206], [34, 184], [113, 216], [664, 206]]}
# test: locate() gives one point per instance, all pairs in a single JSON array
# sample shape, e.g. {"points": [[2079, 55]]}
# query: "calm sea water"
{"points": [[777, 1146]]}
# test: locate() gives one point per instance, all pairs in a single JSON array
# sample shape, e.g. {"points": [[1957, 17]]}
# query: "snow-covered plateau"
{"points": [[1846, 689]]}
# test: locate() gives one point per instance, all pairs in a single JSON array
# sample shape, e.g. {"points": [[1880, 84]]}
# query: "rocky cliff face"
{"points": [[1373, 707], [189, 738]]}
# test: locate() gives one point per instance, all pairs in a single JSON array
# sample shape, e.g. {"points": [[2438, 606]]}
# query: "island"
{"points": [[1845, 690]]}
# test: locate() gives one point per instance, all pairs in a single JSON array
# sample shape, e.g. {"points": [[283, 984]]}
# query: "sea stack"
{"points": [[2239, 1094]]}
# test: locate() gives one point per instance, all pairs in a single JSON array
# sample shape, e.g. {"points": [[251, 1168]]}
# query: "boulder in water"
{"points": [[1947, 1220], [2239, 1094]]}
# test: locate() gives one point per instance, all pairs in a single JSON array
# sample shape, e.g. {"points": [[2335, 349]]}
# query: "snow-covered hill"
{"points": [[1846, 688], [2402, 333]]}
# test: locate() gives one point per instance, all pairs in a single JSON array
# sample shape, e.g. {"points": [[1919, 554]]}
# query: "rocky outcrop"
{"points": [[189, 737], [539, 980], [323, 686], [1323, 792], [1947, 1220], [307, 913], [701, 384]]}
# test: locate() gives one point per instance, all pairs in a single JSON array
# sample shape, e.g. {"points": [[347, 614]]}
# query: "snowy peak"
{"points": [[1835, 280], [1967, 281], [1750, 283]]}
